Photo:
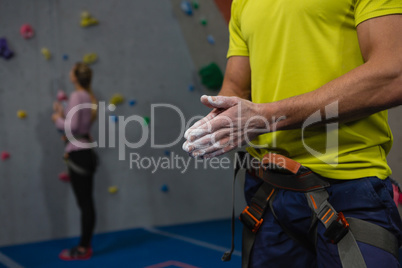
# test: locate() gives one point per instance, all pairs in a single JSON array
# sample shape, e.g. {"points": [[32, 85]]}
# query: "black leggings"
{"points": [[83, 188]]}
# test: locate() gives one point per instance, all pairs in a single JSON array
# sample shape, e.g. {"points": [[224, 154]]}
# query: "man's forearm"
{"points": [[357, 94], [229, 92], [237, 82]]}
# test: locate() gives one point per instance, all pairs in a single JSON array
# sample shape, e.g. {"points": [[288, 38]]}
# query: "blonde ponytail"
{"points": [[83, 73]]}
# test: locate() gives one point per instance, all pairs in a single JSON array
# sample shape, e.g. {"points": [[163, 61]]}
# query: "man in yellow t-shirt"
{"points": [[311, 80]]}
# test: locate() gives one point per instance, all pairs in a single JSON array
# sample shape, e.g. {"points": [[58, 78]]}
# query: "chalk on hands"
{"points": [[212, 100], [196, 133]]}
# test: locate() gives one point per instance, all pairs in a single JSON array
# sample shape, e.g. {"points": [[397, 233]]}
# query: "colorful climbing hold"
{"points": [[186, 7], [211, 39], [27, 31], [132, 102], [85, 15], [5, 51], [167, 153], [46, 53], [203, 21], [4, 155], [116, 99], [196, 5], [165, 188], [111, 107], [114, 118], [21, 114], [87, 20], [90, 58], [191, 88], [211, 76], [65, 57], [61, 96], [146, 120], [64, 177], [113, 189]]}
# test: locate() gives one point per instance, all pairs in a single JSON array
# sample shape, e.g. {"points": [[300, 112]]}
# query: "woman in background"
{"points": [[80, 158]]}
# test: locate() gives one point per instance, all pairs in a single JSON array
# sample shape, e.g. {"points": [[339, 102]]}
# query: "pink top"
{"points": [[80, 122]]}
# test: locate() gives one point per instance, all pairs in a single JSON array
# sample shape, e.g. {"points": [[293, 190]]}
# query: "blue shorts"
{"points": [[369, 199]]}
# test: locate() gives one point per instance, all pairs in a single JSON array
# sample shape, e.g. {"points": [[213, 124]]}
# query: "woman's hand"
{"points": [[57, 107], [58, 111], [232, 123], [56, 116]]}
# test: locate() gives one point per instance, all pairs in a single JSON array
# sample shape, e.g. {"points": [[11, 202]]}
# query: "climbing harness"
{"points": [[280, 172], [73, 166]]}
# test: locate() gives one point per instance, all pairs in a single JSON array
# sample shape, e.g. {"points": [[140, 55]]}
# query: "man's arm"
{"points": [[237, 81], [372, 87]]}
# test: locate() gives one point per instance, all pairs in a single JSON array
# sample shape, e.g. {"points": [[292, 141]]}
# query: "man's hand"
{"points": [[232, 123]]}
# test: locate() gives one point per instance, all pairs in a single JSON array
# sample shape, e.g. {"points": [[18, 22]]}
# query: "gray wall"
{"points": [[143, 54]]}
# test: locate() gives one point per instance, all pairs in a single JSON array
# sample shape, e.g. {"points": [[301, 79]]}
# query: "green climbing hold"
{"points": [[146, 120], [196, 5], [204, 21], [211, 76]]}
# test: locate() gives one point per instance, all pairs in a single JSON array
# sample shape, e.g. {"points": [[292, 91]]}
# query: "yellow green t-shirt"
{"points": [[296, 47]]}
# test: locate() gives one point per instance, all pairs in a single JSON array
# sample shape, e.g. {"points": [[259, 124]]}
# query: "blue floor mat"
{"points": [[186, 246], [183, 246]]}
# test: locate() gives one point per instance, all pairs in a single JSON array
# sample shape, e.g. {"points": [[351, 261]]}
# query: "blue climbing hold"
{"points": [[167, 153], [211, 39], [186, 7], [191, 88], [5, 51], [132, 102], [165, 188], [65, 57], [114, 118]]}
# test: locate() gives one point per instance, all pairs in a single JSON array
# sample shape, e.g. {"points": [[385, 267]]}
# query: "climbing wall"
{"points": [[147, 53]]}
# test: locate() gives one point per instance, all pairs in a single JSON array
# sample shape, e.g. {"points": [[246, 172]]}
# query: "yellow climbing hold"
{"points": [[116, 99], [113, 189], [21, 114], [90, 58], [85, 15], [87, 20], [46, 53]]}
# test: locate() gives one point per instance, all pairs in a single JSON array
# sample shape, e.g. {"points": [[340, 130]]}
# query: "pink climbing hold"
{"points": [[61, 96], [27, 31], [64, 177], [5, 155]]}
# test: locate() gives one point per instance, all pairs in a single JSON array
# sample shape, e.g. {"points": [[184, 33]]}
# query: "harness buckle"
{"points": [[250, 221], [337, 229]]}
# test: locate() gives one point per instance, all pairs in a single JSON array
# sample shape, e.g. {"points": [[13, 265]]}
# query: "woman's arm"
{"points": [[73, 124]]}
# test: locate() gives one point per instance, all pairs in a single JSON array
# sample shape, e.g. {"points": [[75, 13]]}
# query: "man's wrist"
{"points": [[267, 116]]}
